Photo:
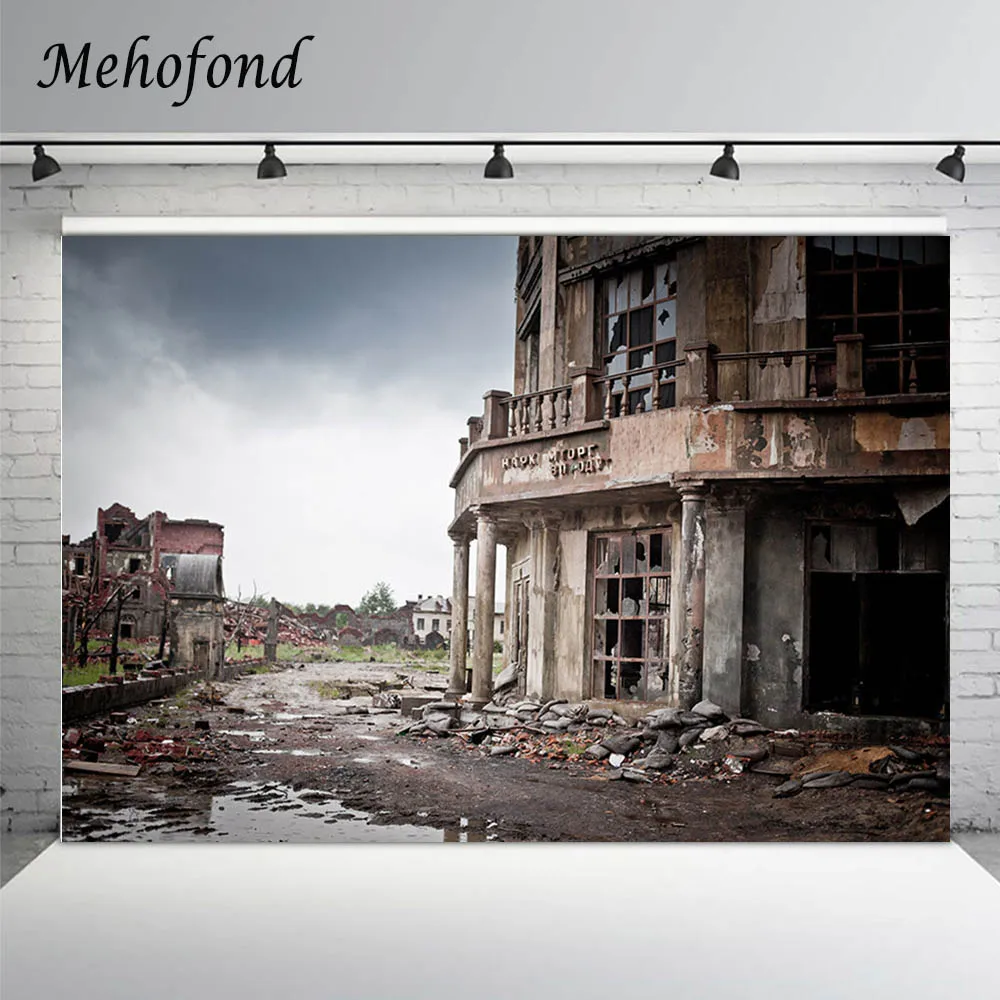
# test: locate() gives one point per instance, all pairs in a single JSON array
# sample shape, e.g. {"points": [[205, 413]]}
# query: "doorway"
{"points": [[878, 610]]}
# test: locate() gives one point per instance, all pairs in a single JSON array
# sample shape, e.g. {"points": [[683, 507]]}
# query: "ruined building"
{"points": [[145, 552], [722, 473], [197, 597]]}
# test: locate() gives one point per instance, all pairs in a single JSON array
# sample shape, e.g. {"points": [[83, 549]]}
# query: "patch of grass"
{"points": [[326, 689], [90, 674], [573, 746], [246, 653], [258, 668]]}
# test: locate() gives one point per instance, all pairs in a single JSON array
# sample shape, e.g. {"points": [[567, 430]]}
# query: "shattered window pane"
{"points": [[631, 608], [638, 313], [641, 327]]}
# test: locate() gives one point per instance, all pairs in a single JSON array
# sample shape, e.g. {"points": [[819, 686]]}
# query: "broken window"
{"points": [[639, 336], [631, 613], [878, 617], [134, 565], [895, 292], [79, 565], [112, 530]]}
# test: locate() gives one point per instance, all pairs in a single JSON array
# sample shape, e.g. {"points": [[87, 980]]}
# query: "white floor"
{"points": [[162, 921]]}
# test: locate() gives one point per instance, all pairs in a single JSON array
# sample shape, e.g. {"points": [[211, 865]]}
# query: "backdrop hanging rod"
{"points": [[504, 142]]}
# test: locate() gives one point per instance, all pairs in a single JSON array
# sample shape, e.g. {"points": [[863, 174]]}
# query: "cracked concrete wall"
{"points": [[774, 616]]}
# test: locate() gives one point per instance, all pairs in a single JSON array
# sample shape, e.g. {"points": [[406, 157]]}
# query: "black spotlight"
{"points": [[953, 165], [270, 167], [498, 167], [726, 166], [44, 165]]}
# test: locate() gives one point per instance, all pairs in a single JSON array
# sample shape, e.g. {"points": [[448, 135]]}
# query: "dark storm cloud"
{"points": [[370, 304]]}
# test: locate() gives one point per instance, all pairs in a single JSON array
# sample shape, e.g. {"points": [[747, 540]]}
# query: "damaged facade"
{"points": [[723, 473], [147, 554]]}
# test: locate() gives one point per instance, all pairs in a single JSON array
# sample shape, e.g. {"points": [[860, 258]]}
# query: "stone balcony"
{"points": [[795, 414]]}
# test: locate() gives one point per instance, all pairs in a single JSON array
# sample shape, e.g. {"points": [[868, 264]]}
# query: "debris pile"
{"points": [[252, 622], [114, 749], [673, 744]]}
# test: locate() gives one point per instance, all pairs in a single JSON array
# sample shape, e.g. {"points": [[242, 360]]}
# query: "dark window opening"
{"points": [[436, 625], [133, 565], [126, 631], [878, 630], [631, 609], [79, 565], [420, 624], [895, 292], [112, 531]]}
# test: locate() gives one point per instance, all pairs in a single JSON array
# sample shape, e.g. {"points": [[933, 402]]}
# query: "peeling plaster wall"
{"points": [[774, 616]]}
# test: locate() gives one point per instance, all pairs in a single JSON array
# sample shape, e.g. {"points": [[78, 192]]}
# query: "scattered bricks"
{"points": [[72, 738], [112, 679]]}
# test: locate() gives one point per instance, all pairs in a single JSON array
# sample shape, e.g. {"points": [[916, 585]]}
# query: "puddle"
{"points": [[297, 753], [257, 735], [254, 812]]}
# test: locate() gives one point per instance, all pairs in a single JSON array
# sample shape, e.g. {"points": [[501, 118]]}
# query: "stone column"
{"points": [[725, 558], [542, 649], [486, 568], [459, 615], [271, 637], [693, 592]]}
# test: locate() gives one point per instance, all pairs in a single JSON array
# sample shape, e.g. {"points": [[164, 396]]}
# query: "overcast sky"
{"points": [[306, 392]]}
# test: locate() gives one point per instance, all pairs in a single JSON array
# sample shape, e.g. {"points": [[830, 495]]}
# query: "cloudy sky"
{"points": [[306, 392]]}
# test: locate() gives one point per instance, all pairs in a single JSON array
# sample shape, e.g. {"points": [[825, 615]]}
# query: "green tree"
{"points": [[378, 601], [341, 620]]}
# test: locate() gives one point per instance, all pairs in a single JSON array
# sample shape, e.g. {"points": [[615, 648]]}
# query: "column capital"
{"points": [[691, 492], [460, 537], [485, 515]]}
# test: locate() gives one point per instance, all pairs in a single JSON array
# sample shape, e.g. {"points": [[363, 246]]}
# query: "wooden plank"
{"points": [[95, 767]]}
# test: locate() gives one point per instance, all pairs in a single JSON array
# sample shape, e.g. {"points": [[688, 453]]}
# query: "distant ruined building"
{"points": [[173, 573]]}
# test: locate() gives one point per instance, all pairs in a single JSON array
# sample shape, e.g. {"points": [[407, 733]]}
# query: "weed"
{"points": [[326, 689]]}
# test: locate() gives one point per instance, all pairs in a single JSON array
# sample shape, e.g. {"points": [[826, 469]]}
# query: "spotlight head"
{"points": [[498, 167], [953, 165], [726, 166], [44, 165], [270, 166]]}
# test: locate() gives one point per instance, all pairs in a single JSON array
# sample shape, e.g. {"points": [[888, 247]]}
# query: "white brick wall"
{"points": [[31, 276]]}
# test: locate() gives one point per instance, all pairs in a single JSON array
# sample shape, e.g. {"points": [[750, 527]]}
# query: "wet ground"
{"points": [[281, 761]]}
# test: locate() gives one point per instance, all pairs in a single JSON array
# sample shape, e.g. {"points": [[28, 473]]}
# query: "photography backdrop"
{"points": [[896, 68]]}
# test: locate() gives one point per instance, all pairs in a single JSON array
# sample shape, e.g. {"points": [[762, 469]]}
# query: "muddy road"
{"points": [[287, 758]]}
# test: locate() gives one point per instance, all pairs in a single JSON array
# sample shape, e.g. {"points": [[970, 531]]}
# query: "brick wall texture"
{"points": [[31, 358]]}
